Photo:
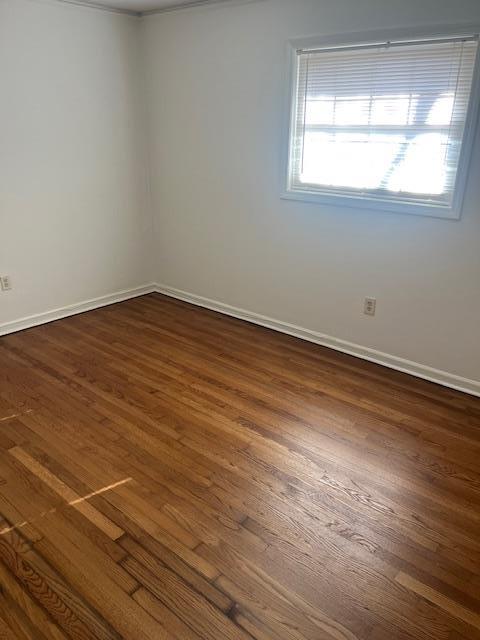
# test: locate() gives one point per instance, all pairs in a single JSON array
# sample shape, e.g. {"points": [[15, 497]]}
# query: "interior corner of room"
{"points": [[146, 154], [239, 320]]}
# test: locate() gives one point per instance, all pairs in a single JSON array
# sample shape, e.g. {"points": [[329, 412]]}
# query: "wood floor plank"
{"points": [[72, 498], [164, 615], [61, 535], [23, 612], [423, 590], [174, 546], [168, 472], [47, 596], [154, 556], [197, 612], [6, 632]]}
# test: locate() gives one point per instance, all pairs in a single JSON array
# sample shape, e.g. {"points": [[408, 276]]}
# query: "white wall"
{"points": [[75, 222], [216, 94], [73, 218]]}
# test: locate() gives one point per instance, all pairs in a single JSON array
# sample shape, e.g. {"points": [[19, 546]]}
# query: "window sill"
{"points": [[374, 204]]}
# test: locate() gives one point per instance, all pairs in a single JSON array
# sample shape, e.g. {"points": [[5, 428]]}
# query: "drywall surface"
{"points": [[216, 93], [74, 221]]}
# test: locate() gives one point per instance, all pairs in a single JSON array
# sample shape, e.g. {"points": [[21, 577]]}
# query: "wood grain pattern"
{"points": [[72, 498], [439, 599], [168, 472]]}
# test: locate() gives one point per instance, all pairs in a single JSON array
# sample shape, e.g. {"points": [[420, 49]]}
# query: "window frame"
{"points": [[367, 201]]}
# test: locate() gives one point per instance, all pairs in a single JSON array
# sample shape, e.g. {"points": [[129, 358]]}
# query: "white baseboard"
{"points": [[372, 355], [73, 309], [393, 362]]}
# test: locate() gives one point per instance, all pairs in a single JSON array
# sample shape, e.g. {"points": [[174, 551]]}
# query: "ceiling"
{"points": [[140, 6]]}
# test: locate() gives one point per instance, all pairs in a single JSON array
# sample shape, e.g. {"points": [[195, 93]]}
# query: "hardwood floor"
{"points": [[168, 472]]}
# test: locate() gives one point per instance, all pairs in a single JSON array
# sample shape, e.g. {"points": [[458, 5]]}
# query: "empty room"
{"points": [[239, 320]]}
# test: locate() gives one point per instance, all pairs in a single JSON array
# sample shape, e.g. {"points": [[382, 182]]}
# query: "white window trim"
{"points": [[389, 205]]}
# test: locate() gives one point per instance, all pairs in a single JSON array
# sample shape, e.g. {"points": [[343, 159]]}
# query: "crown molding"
{"points": [[185, 5], [101, 7]]}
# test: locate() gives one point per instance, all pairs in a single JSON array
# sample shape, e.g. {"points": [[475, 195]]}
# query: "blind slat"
{"points": [[382, 120]]}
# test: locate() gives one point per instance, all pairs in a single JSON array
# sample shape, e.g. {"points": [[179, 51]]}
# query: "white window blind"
{"points": [[384, 122]]}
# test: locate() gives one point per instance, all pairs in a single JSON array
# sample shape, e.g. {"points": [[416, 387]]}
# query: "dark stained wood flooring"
{"points": [[168, 472]]}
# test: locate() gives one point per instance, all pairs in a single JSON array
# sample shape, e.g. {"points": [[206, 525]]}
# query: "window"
{"points": [[383, 125]]}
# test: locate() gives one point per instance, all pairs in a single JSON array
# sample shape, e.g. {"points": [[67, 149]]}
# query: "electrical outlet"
{"points": [[370, 306], [5, 283]]}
